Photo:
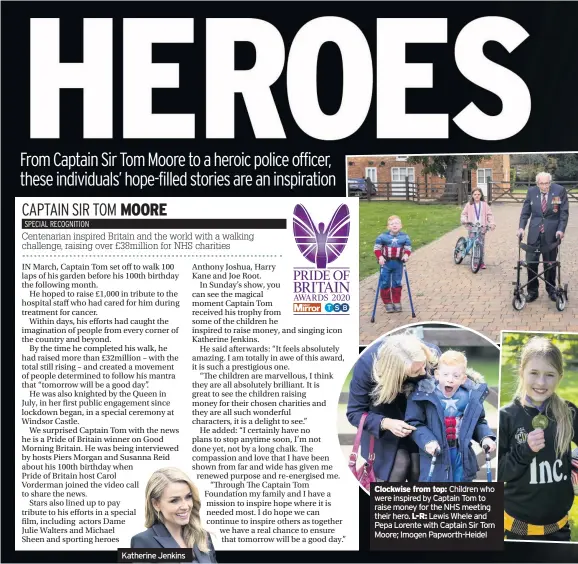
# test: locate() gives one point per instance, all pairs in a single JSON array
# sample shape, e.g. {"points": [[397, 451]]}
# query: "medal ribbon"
{"points": [[478, 210], [540, 409], [540, 421]]}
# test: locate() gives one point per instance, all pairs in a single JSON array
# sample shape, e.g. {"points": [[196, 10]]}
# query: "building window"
{"points": [[371, 173], [401, 158], [398, 174], [484, 175]]}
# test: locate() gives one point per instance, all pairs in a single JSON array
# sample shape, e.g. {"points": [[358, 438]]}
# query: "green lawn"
{"points": [[423, 224], [568, 389]]}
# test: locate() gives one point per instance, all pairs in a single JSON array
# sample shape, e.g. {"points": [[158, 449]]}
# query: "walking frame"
{"points": [[558, 290], [377, 293]]}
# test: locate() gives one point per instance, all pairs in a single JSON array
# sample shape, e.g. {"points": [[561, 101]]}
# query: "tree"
{"points": [[566, 166], [538, 160], [528, 166], [449, 167]]}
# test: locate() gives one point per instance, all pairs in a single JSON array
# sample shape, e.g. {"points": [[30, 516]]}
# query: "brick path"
{"points": [[443, 291]]}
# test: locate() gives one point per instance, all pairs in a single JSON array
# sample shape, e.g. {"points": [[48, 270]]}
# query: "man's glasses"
{"points": [[544, 183]]}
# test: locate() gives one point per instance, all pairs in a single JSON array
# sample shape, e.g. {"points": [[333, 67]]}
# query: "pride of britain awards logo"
{"points": [[321, 289]]}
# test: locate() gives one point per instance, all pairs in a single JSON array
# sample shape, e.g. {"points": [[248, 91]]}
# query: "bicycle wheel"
{"points": [[477, 257], [459, 250]]}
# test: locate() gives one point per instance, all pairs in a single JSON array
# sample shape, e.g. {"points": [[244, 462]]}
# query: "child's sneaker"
{"points": [[397, 308], [389, 308], [483, 266]]}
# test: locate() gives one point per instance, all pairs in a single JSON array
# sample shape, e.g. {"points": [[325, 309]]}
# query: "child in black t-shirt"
{"points": [[534, 456]]}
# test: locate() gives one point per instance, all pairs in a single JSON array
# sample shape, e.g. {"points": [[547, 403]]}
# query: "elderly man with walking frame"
{"points": [[546, 206]]}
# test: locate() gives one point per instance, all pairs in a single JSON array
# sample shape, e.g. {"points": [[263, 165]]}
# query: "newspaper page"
{"points": [[289, 282]]}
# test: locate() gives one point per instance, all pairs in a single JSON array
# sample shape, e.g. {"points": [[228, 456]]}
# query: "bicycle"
{"points": [[474, 244]]}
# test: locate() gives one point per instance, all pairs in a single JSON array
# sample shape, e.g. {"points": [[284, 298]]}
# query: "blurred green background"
{"points": [[512, 344], [487, 367], [422, 223]]}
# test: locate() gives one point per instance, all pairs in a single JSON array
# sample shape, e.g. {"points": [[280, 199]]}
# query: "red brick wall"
{"points": [[500, 165], [357, 169]]}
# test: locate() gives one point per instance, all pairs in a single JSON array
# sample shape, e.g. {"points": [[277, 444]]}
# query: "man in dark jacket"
{"points": [[546, 206]]}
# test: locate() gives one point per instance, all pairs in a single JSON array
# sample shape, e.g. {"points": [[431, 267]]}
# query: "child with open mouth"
{"points": [[444, 427]]}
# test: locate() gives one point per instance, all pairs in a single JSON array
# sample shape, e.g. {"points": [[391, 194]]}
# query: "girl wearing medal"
{"points": [[534, 455], [478, 211]]}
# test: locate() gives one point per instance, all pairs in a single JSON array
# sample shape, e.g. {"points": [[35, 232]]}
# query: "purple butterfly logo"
{"points": [[319, 245]]}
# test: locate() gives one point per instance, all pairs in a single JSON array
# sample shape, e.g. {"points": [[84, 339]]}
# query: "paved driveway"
{"points": [[443, 291]]}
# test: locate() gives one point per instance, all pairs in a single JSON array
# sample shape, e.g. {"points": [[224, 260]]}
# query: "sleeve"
{"points": [[489, 215], [415, 416], [434, 348], [564, 211], [360, 399], [526, 211], [407, 245], [574, 422], [464, 216], [138, 541], [212, 554], [482, 429], [378, 247], [513, 460]]}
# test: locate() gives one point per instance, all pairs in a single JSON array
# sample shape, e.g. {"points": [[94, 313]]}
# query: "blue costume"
{"points": [[430, 413], [392, 248], [454, 408]]}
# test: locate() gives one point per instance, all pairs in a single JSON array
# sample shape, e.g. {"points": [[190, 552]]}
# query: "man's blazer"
{"points": [[556, 216]]}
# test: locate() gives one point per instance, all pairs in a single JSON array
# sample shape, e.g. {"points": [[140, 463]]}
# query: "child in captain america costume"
{"points": [[448, 413], [454, 408], [392, 248]]}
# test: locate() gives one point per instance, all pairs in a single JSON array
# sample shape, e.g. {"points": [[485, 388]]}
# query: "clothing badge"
{"points": [[451, 405], [556, 203], [521, 435]]}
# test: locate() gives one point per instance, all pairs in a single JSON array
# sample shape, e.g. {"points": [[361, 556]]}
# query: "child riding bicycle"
{"points": [[477, 211]]}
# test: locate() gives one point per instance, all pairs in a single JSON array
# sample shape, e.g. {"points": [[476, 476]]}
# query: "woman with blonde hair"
{"points": [[534, 456], [383, 378], [172, 516]]}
